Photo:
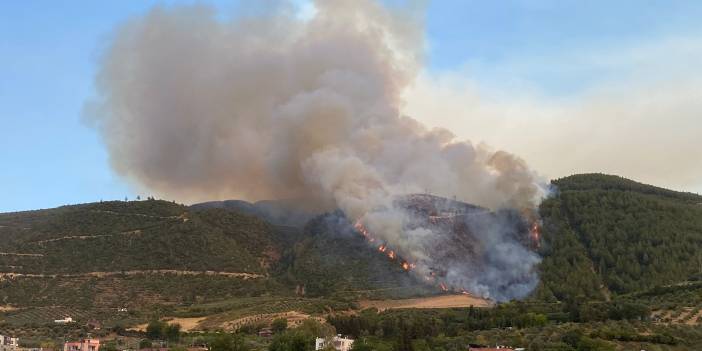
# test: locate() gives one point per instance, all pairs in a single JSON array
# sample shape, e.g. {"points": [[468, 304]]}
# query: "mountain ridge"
{"points": [[604, 238]]}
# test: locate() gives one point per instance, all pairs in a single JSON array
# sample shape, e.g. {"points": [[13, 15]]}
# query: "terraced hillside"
{"points": [[146, 235], [132, 254]]}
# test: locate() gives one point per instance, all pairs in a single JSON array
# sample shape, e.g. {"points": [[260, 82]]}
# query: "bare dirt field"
{"points": [[443, 301], [7, 308], [186, 324]]}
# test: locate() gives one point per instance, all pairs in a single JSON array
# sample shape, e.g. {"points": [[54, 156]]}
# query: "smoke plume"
{"points": [[271, 106]]}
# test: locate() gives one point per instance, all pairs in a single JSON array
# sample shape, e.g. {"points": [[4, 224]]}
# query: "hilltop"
{"points": [[609, 235]]}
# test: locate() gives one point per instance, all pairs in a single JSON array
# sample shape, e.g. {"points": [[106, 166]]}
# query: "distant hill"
{"points": [[599, 181]]}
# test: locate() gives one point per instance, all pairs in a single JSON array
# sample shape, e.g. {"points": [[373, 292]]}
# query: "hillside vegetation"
{"points": [[127, 236], [605, 235], [156, 256], [621, 269]]}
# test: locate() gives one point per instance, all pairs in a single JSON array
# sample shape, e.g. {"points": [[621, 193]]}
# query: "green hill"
{"points": [[127, 236], [89, 260], [156, 256], [608, 235]]}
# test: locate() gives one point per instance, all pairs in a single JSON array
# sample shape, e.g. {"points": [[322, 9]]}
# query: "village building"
{"points": [[93, 324], [83, 345], [8, 343], [65, 320], [338, 342], [265, 332]]}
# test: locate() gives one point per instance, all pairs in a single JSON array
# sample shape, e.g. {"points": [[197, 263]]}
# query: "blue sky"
{"points": [[49, 53]]}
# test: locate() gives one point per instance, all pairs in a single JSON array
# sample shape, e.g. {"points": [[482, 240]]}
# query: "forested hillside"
{"points": [[608, 235]]}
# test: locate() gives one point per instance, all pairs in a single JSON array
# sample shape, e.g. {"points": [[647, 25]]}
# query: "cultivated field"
{"points": [[442, 301]]}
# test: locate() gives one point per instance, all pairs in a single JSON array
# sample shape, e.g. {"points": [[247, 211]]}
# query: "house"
{"points": [[94, 324], [265, 332], [83, 345], [65, 320], [338, 342], [8, 344]]}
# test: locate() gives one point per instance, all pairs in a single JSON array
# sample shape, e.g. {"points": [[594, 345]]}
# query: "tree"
{"points": [[279, 325], [172, 332], [361, 346], [292, 341], [404, 341], [229, 342], [145, 344], [156, 330], [313, 329]]}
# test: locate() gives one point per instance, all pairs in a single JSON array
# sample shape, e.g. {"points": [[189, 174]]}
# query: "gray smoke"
{"points": [[271, 106]]}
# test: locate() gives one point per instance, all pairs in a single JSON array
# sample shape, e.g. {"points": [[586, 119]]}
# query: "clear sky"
{"points": [[547, 52]]}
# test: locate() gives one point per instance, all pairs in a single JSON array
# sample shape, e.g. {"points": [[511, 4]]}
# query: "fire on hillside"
{"points": [[454, 239]]}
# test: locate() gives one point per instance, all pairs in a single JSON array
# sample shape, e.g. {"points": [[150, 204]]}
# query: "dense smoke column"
{"points": [[195, 108]]}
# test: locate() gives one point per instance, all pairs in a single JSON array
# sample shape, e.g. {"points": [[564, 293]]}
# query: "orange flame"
{"points": [[406, 265], [535, 233]]}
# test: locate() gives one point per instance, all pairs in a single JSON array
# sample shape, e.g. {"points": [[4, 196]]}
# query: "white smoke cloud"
{"points": [[273, 106]]}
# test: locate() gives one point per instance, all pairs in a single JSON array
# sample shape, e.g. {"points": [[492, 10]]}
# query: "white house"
{"points": [[66, 320], [338, 342], [8, 344]]}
